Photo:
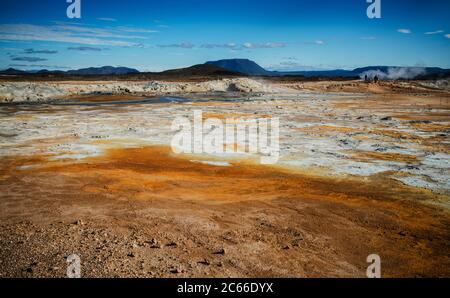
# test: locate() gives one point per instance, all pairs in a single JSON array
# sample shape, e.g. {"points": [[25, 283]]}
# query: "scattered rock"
{"points": [[172, 244], [153, 243], [420, 122], [220, 252], [204, 262], [175, 270]]}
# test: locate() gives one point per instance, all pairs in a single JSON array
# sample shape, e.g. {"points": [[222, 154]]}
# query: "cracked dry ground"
{"points": [[144, 212]]}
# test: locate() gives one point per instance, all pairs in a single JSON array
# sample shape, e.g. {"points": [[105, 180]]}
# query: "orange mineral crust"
{"points": [[151, 204]]}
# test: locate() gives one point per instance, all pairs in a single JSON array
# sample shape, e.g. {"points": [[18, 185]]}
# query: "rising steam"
{"points": [[395, 73]]}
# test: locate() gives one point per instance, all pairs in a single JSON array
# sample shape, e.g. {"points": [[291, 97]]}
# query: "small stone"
{"points": [[131, 255], [175, 270], [153, 243], [204, 262], [220, 252]]}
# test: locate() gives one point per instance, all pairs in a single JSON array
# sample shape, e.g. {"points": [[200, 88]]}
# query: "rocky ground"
{"points": [[20, 92], [359, 173]]}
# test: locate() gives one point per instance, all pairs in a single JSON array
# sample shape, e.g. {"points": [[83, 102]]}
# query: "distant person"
{"points": [[375, 79]]}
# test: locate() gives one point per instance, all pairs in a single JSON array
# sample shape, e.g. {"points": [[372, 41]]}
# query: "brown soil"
{"points": [[145, 212], [105, 98]]}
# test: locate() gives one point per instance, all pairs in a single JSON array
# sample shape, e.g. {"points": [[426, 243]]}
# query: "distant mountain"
{"points": [[45, 71], [12, 71], [249, 67], [317, 73], [384, 72], [243, 66], [105, 70], [201, 70], [239, 67]]}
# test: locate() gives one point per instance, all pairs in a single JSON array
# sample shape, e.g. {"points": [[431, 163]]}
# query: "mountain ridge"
{"points": [[103, 70], [385, 72], [246, 67]]}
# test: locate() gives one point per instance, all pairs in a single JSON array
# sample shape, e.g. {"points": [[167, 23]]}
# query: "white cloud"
{"points": [[28, 59], [368, 38], [183, 45], [107, 19], [43, 51], [267, 45], [69, 34], [434, 32], [96, 32], [246, 45], [230, 45], [404, 31], [136, 30], [40, 66], [447, 35], [293, 65], [319, 42], [84, 49]]}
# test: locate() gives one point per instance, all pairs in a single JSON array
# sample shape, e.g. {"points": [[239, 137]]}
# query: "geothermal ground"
{"points": [[86, 168]]}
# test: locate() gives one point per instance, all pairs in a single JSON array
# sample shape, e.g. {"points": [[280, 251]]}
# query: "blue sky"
{"points": [[283, 35]]}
